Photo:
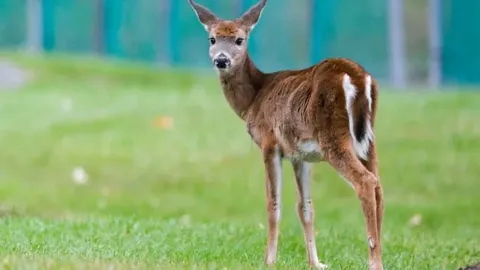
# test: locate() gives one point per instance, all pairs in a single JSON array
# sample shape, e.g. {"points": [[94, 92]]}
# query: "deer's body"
{"points": [[295, 109], [322, 113]]}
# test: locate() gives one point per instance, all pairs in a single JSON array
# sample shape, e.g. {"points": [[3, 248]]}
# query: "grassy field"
{"points": [[175, 182]]}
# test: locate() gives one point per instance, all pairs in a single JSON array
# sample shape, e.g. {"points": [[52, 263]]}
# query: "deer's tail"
{"points": [[358, 101]]}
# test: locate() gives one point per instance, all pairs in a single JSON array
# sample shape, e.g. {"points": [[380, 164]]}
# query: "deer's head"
{"points": [[228, 38]]}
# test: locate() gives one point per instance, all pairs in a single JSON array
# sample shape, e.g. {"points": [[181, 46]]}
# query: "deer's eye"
{"points": [[212, 40], [239, 41]]}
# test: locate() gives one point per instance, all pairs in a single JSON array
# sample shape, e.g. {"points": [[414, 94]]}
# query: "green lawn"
{"points": [[193, 195]]}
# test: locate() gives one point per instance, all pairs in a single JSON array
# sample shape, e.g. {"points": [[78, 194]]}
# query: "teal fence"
{"points": [[12, 22], [461, 41], [291, 34]]}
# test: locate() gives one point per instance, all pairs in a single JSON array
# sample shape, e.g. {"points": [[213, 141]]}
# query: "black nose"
{"points": [[221, 62]]}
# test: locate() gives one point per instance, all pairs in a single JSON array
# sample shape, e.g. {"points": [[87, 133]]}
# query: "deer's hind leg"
{"points": [[372, 165], [305, 210], [342, 158]]}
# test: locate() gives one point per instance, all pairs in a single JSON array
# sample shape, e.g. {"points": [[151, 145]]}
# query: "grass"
{"points": [[192, 196]]}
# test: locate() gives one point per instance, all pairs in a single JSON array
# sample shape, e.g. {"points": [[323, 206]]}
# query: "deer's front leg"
{"points": [[273, 174], [305, 211]]}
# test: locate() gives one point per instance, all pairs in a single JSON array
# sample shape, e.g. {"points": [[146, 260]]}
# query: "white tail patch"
{"points": [[350, 93], [368, 91], [370, 135], [360, 147]]}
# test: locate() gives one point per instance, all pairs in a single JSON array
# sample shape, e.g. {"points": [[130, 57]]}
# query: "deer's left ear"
{"points": [[205, 16], [251, 16]]}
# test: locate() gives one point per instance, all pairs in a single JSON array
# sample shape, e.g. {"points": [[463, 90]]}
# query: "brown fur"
{"points": [[227, 29], [285, 108]]}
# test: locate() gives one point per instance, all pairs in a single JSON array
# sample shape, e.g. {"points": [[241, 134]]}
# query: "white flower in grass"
{"points": [[79, 176], [416, 220]]}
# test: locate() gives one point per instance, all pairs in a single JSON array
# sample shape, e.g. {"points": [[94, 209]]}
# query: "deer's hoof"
{"points": [[319, 266], [376, 266], [270, 261]]}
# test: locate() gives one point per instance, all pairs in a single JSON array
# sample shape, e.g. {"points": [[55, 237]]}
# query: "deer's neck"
{"points": [[241, 86]]}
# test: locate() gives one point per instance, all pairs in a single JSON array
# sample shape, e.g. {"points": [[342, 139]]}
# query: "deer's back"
{"points": [[293, 107]]}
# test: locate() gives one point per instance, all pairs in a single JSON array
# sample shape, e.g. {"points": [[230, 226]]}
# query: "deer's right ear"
{"points": [[206, 17]]}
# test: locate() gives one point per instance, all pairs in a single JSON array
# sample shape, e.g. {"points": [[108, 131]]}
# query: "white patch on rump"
{"points": [[350, 93], [360, 147], [370, 135], [368, 91]]}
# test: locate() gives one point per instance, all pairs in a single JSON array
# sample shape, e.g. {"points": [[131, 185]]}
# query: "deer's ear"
{"points": [[251, 16], [206, 17]]}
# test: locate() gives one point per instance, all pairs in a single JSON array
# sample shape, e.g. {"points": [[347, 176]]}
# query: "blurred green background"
{"points": [[167, 32]]}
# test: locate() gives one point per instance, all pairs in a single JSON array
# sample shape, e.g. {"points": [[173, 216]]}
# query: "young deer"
{"points": [[322, 113]]}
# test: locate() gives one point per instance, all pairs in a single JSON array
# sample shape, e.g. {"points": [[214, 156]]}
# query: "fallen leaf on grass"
{"points": [[165, 122]]}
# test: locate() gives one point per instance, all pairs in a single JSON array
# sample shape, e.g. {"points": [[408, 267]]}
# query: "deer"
{"points": [[322, 113]]}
